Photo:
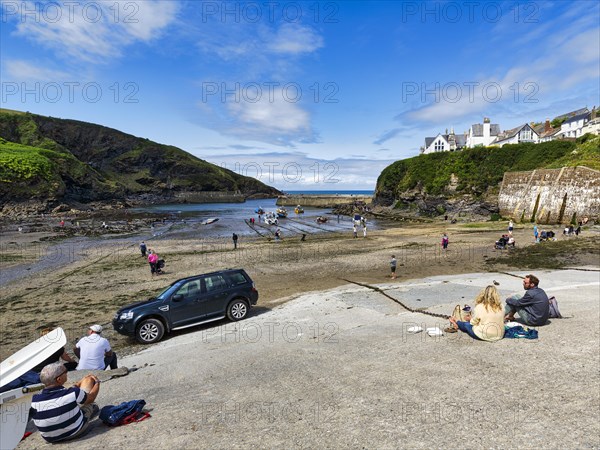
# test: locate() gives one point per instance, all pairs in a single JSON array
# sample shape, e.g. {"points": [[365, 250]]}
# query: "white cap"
{"points": [[96, 328]]}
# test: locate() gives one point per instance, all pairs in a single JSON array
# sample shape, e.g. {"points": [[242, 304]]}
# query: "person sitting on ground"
{"points": [[94, 351], [533, 307], [69, 363], [487, 321], [62, 414], [511, 241]]}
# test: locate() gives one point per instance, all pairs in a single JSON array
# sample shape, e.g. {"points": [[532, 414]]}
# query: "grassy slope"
{"points": [[480, 168], [134, 165]]}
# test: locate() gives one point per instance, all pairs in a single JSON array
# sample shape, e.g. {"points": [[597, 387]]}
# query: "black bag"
{"points": [[115, 415]]}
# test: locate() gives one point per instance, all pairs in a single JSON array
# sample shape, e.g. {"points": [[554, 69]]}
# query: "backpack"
{"points": [[123, 413], [554, 312]]}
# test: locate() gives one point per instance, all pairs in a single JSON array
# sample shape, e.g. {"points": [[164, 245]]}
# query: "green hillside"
{"points": [[480, 170], [57, 159]]}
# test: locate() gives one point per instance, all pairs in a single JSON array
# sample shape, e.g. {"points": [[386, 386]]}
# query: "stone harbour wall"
{"points": [[550, 195], [322, 200]]}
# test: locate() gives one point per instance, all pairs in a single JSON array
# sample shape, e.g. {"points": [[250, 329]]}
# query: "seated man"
{"points": [[533, 307], [94, 351], [56, 410]]}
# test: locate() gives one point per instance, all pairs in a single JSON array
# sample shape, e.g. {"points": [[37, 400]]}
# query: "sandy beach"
{"points": [[323, 362], [78, 281]]}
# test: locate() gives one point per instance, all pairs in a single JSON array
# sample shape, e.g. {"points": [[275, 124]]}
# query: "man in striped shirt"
{"points": [[62, 414]]}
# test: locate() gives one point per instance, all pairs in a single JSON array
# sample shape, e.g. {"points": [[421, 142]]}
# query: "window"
{"points": [[237, 278], [189, 289], [214, 283], [439, 146], [526, 135]]}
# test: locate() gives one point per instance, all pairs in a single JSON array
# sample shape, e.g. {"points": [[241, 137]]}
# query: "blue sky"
{"points": [[302, 95]]}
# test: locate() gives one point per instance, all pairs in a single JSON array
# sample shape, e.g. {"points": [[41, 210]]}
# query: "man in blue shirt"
{"points": [[533, 307], [62, 414]]}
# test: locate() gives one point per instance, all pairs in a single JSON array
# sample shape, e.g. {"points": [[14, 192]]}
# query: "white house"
{"points": [[522, 133], [573, 126], [593, 125], [448, 142], [482, 134]]}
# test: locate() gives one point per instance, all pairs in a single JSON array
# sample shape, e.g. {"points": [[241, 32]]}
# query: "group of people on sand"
{"points": [[488, 317], [59, 413], [156, 264]]}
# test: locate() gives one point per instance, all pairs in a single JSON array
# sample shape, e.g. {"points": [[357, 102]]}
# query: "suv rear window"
{"points": [[237, 278], [215, 283]]}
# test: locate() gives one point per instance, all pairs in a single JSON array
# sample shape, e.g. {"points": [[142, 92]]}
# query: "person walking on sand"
{"points": [[235, 239], [354, 231], [153, 261], [535, 233], [143, 249], [445, 241], [365, 230], [511, 226], [393, 266]]}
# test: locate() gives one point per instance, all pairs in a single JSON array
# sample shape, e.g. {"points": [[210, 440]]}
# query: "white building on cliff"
{"points": [[482, 134]]}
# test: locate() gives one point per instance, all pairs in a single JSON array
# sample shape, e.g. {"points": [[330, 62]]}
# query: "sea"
{"points": [[234, 217]]}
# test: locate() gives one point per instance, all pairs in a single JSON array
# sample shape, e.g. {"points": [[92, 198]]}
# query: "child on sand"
{"points": [[393, 266]]}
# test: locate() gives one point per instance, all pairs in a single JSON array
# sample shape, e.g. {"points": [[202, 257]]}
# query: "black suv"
{"points": [[188, 302]]}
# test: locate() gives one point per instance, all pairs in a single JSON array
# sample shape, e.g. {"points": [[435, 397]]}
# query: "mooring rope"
{"points": [[419, 311]]}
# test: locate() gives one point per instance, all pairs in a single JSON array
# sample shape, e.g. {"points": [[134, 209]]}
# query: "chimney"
{"points": [[446, 130], [547, 126], [486, 120]]}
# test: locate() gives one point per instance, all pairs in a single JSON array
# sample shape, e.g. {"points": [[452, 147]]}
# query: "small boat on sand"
{"points": [[299, 210], [282, 212], [321, 219], [259, 211], [209, 221], [271, 219]]}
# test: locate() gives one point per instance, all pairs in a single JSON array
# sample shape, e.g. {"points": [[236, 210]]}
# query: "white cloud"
{"points": [[94, 31], [294, 39], [25, 71], [296, 170]]}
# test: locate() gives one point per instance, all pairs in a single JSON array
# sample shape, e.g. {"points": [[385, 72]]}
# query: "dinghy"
{"points": [[282, 212], [209, 221]]}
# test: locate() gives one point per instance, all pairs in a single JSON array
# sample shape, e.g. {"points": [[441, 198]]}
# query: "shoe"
{"points": [[450, 329]]}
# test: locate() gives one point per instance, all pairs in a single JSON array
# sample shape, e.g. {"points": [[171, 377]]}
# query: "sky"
{"points": [[301, 95]]}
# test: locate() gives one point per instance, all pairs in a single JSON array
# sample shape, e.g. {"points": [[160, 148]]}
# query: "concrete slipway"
{"points": [[337, 369]]}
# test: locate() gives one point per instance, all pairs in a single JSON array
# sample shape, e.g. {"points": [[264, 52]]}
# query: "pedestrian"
{"points": [[235, 239], [445, 241], [511, 226], [277, 234], [153, 261], [143, 249], [354, 231], [365, 230], [393, 266], [535, 233]]}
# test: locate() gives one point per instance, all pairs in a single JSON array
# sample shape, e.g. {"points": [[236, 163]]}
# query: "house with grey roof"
{"points": [[573, 126], [482, 134], [448, 142], [517, 135]]}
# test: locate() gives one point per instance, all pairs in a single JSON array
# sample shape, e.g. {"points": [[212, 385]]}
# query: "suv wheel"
{"points": [[150, 331], [237, 310]]}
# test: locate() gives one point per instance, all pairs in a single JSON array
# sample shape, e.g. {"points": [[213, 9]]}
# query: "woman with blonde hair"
{"points": [[487, 321]]}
